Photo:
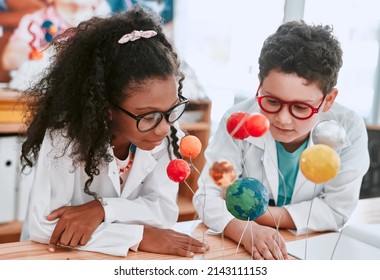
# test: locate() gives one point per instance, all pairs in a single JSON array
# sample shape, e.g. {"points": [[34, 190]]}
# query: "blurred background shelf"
{"points": [[10, 232], [11, 106], [195, 121], [371, 181]]}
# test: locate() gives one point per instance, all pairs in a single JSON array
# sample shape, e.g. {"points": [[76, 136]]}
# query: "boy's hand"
{"points": [[260, 241], [265, 243]]}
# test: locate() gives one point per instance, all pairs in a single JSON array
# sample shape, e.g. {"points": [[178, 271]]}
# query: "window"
{"points": [[221, 41], [356, 24]]}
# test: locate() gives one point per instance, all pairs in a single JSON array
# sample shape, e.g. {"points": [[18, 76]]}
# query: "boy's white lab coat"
{"points": [[148, 197], [329, 204]]}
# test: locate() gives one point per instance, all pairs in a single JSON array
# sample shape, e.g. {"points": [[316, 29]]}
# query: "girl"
{"points": [[102, 132]]}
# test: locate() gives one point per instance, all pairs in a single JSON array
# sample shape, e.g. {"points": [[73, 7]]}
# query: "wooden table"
{"points": [[220, 248], [367, 211]]}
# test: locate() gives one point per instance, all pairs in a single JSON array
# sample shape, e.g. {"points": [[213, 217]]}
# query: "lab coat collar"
{"points": [[143, 164], [301, 181]]}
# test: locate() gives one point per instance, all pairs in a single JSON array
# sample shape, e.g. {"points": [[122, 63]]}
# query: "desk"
{"points": [[28, 250], [367, 211]]}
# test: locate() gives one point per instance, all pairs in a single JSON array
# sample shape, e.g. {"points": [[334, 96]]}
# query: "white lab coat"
{"points": [[332, 202], [148, 197]]}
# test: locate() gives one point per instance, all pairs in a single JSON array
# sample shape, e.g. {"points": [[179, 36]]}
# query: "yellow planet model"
{"points": [[319, 163]]}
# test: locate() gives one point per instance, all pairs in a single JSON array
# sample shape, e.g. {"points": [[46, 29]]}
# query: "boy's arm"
{"points": [[276, 217]]}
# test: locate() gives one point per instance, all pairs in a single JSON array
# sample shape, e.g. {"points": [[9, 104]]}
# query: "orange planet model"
{"points": [[190, 146]]}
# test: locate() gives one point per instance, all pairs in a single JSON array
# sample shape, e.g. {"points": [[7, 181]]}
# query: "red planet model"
{"points": [[256, 124]]}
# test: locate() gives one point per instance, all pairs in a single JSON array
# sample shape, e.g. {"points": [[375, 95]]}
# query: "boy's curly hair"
{"points": [[310, 51], [91, 72]]}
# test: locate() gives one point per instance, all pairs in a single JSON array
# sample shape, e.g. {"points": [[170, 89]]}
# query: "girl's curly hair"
{"points": [[91, 72]]}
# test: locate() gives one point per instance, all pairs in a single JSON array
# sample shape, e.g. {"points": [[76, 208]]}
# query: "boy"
{"points": [[298, 71]]}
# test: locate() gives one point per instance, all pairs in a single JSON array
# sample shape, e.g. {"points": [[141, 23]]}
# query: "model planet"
{"points": [[178, 170], [247, 199], [222, 173]]}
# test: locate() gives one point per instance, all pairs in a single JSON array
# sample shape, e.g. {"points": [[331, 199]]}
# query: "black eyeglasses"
{"points": [[151, 120], [299, 110]]}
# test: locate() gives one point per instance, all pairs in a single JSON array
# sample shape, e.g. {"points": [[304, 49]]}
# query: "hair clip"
{"points": [[135, 35]]}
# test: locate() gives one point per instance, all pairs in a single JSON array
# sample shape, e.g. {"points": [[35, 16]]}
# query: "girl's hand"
{"points": [[76, 224], [167, 241]]}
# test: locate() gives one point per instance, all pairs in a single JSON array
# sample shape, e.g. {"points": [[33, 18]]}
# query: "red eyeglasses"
{"points": [[299, 110]]}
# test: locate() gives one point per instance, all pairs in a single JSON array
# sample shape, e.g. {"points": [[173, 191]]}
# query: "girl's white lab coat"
{"points": [[329, 204], [148, 197]]}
